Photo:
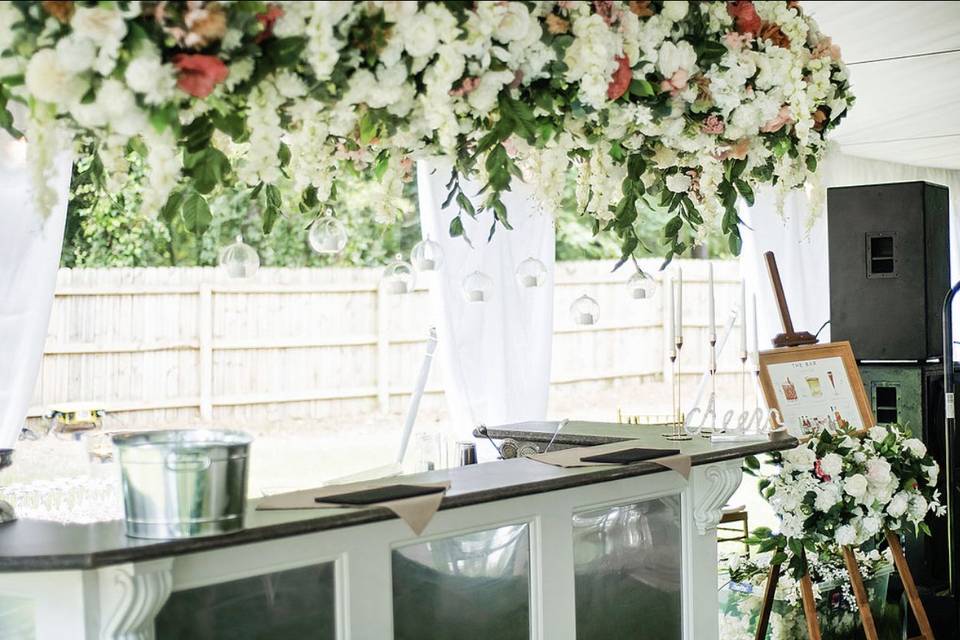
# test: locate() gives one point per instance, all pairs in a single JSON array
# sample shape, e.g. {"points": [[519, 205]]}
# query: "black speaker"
{"points": [[889, 268]]}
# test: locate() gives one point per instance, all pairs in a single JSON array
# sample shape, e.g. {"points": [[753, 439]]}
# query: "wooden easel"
{"points": [[791, 338]]}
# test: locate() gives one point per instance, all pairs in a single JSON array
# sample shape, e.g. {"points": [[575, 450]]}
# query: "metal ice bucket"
{"points": [[183, 484]]}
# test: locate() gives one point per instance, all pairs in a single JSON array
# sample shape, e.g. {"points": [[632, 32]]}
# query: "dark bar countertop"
{"points": [[31, 545]]}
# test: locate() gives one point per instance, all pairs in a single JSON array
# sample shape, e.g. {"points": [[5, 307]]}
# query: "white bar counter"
{"points": [[519, 549]]}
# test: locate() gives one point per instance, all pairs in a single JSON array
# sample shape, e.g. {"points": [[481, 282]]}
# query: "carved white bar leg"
{"points": [[710, 488], [130, 597]]}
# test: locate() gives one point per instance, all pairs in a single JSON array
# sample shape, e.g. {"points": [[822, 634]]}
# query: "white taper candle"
{"points": [[672, 319], [679, 336], [743, 319], [711, 310]]}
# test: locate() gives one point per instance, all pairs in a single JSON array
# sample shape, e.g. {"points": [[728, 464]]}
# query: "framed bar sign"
{"points": [[815, 387]]}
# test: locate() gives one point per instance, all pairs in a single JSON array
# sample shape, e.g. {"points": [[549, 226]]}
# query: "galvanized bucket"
{"points": [[183, 484]]}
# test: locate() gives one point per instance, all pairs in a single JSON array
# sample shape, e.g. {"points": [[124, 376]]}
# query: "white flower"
{"points": [[147, 75], [915, 448], [802, 457], [76, 54], [855, 485], [827, 495], [878, 472], [123, 114], [675, 10], [898, 504], [845, 535], [831, 464], [877, 434], [100, 24], [9, 16], [420, 37], [676, 56], [46, 80], [917, 509], [484, 97], [514, 22], [679, 182], [289, 85], [932, 473], [870, 525]]}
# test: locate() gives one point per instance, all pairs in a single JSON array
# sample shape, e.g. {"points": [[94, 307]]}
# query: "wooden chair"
{"points": [[737, 527]]}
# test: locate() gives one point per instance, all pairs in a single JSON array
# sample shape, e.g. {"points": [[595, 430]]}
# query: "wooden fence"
{"points": [[186, 344]]}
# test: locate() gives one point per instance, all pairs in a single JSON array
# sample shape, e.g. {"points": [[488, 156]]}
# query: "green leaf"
{"points": [[196, 213], [735, 243], [284, 52], [172, 206], [456, 227], [641, 88], [751, 462], [746, 191], [273, 196], [270, 215], [284, 154]]}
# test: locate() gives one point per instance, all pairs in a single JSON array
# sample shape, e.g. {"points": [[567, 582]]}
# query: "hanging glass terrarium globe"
{"points": [[427, 255], [531, 273], [585, 311], [641, 286], [239, 259], [477, 287], [399, 277], [327, 236]]}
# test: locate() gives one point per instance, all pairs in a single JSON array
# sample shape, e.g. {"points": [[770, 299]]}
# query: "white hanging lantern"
{"points": [[399, 277], [327, 236], [531, 273], [641, 286], [477, 287], [427, 255], [585, 311], [239, 259]]}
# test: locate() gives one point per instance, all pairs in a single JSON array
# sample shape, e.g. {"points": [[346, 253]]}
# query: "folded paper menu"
{"points": [[588, 456], [415, 504]]}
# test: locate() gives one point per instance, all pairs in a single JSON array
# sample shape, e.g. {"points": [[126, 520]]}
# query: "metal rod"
{"points": [[950, 428]]}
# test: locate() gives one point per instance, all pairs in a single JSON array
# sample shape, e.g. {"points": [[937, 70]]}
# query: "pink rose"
{"points": [[745, 16], [675, 83], [783, 118], [199, 74], [621, 79]]}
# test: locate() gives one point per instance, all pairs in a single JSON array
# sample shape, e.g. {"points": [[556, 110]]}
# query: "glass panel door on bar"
{"points": [[16, 618], [297, 603], [474, 586], [628, 571]]}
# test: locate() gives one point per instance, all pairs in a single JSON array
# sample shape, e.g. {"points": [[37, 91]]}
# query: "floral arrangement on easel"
{"points": [[839, 490], [842, 489], [679, 104]]}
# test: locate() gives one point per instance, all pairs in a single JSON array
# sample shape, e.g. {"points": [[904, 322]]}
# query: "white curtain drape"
{"points": [[801, 249], [29, 257], [495, 354]]}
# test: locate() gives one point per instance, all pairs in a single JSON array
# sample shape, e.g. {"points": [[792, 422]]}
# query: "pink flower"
{"points": [[621, 78], [267, 19], [818, 471], [745, 16], [783, 118], [713, 124], [826, 48], [199, 74], [738, 150], [466, 87], [675, 83], [736, 41]]}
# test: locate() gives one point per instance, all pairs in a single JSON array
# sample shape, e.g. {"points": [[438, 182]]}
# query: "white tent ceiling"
{"points": [[904, 60]]}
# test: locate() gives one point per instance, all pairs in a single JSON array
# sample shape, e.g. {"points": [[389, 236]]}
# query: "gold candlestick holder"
{"points": [[678, 433]]}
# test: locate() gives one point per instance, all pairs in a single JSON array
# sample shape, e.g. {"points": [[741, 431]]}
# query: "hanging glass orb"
{"points": [[641, 286], [399, 277], [531, 273], [585, 310], [477, 287], [427, 255], [327, 236], [239, 259]]}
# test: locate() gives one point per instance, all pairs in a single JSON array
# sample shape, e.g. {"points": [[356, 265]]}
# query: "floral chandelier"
{"points": [[675, 104]]}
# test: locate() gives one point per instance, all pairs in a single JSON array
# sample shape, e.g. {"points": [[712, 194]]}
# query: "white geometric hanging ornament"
{"points": [[531, 273], [399, 277], [327, 235], [641, 286], [426, 255], [585, 311], [239, 259], [477, 287]]}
